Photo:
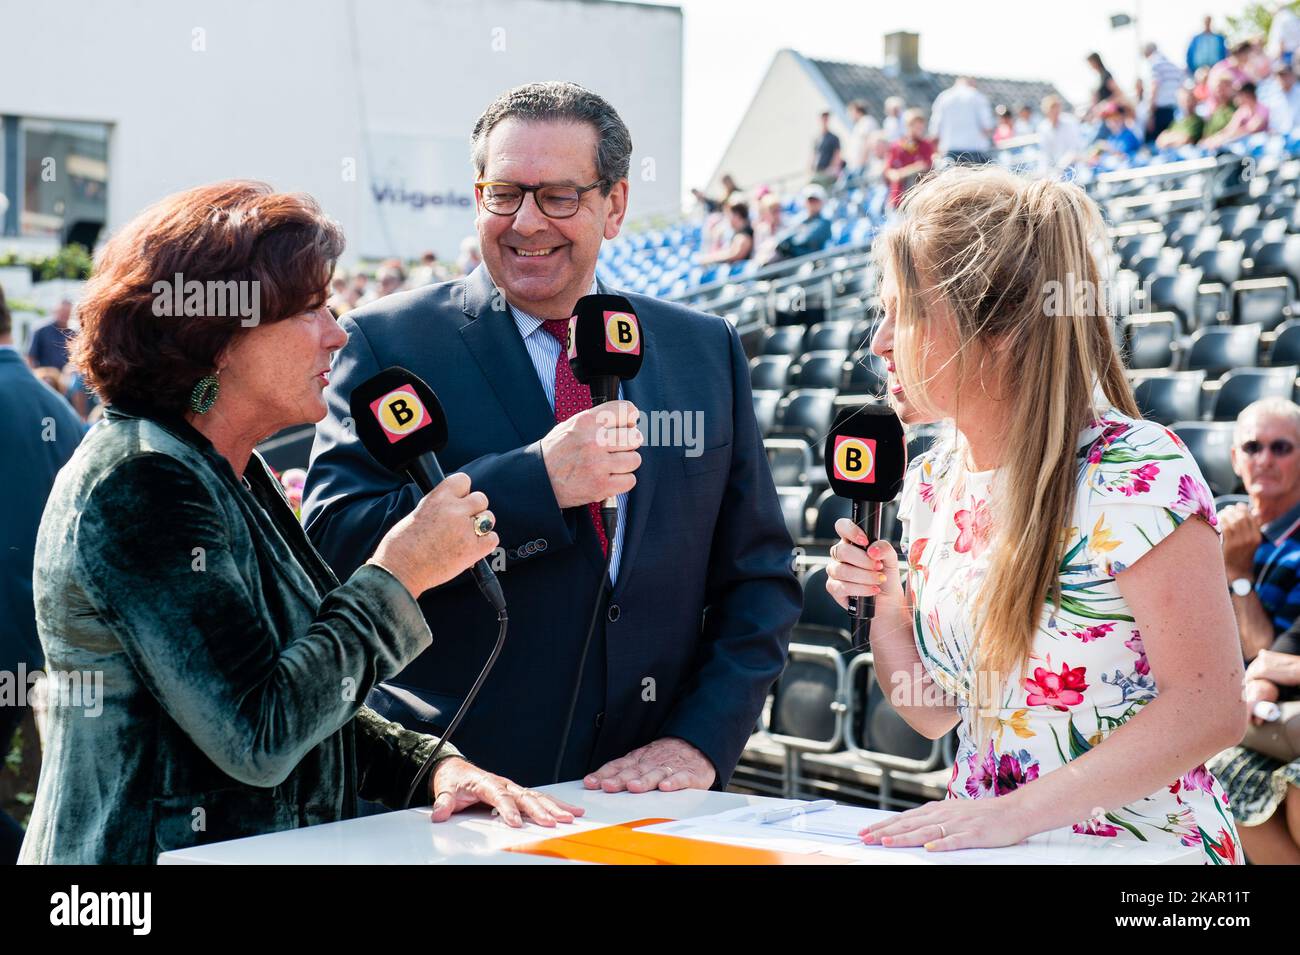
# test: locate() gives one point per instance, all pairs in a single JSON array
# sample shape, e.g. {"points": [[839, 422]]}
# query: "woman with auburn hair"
{"points": [[228, 663], [1065, 607]]}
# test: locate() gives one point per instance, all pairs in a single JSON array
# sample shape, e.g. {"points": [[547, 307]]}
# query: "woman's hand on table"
{"points": [[953, 824], [458, 784]]}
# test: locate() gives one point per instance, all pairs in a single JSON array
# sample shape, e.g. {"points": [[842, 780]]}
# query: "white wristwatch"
{"points": [[1242, 586]]}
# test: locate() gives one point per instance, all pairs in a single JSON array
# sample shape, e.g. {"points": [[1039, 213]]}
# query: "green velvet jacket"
{"points": [[233, 663]]}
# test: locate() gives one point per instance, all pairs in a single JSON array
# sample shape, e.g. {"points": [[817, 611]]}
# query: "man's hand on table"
{"points": [[667, 764], [457, 785]]}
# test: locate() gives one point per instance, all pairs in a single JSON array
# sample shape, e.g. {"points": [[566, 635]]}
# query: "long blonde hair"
{"points": [[994, 247]]}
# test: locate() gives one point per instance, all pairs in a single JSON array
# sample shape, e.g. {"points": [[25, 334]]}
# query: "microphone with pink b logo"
{"points": [[866, 458]]}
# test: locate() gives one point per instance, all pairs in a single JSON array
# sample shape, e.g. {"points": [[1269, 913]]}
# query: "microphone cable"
{"points": [[504, 622], [609, 519]]}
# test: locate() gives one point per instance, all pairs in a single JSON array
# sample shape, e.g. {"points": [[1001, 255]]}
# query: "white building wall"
{"points": [[775, 138], [324, 95]]}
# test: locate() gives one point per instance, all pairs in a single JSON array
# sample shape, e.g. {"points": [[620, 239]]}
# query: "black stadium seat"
{"points": [[790, 459], [819, 369], [1236, 219], [1278, 260], [806, 413], [1149, 340], [1245, 385], [769, 372], [765, 403], [1221, 264], [1176, 293], [785, 340], [819, 607], [830, 508], [1263, 302], [1174, 396], [829, 335], [1210, 443], [1216, 350], [867, 375], [805, 697], [1286, 347], [794, 506]]}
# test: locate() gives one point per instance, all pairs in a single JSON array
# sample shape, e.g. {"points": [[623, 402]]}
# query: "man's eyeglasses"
{"points": [[1280, 448], [556, 202]]}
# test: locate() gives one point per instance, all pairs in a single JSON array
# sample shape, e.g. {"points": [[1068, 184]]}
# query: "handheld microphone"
{"points": [[866, 458], [401, 423], [604, 348]]}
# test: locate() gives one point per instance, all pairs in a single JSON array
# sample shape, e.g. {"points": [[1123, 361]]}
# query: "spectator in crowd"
{"points": [[38, 433], [1221, 93], [391, 278], [859, 151], [1187, 128], [1025, 124], [892, 124], [767, 230], [826, 156], [729, 189], [1250, 117], [1233, 67], [1004, 127], [469, 259], [1284, 34], [1024, 120], [1201, 90], [741, 246], [427, 272], [1116, 135], [1257, 64], [1264, 792], [1206, 48], [961, 120], [1106, 91], [1281, 97], [1060, 139], [361, 292], [1261, 540], [49, 345], [811, 233], [909, 158], [1163, 81], [1261, 555]]}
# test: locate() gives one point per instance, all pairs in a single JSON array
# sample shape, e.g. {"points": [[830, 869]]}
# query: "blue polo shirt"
{"points": [[1277, 570]]}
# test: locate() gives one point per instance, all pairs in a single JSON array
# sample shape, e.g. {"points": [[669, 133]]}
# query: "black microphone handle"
{"points": [[427, 474], [867, 515], [603, 389]]}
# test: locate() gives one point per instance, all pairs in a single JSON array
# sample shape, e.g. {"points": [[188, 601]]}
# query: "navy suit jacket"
{"points": [[38, 433], [697, 626]]}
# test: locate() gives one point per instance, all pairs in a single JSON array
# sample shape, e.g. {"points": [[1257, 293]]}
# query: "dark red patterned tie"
{"points": [[571, 397]]}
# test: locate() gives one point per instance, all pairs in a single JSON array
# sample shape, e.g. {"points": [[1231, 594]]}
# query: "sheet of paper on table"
{"points": [[834, 832]]}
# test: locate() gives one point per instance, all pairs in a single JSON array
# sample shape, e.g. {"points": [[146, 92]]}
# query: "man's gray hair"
{"points": [[557, 101], [1267, 408]]}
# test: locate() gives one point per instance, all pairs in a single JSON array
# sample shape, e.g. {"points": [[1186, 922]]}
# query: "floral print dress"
{"points": [[1088, 673]]}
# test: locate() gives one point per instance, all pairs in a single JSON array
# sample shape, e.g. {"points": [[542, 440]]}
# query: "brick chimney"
{"points": [[901, 51]]}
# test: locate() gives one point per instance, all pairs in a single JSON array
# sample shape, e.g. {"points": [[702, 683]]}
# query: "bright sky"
{"points": [[729, 44]]}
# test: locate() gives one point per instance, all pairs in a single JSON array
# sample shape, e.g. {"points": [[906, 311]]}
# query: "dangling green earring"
{"points": [[204, 395]]}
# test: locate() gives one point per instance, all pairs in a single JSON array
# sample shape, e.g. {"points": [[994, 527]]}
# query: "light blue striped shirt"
{"points": [[544, 350]]}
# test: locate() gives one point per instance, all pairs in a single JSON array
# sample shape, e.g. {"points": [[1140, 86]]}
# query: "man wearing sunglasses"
{"points": [[1261, 540], [696, 628]]}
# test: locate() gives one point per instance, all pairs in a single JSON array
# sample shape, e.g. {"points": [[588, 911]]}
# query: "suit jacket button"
{"points": [[614, 613]]}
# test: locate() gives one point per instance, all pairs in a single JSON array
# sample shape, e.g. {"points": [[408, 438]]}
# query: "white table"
{"points": [[475, 838]]}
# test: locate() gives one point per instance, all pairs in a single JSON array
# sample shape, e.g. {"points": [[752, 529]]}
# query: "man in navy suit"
{"points": [[38, 433], [696, 628]]}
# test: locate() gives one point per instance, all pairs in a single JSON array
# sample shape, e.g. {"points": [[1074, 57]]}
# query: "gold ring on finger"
{"points": [[483, 524]]}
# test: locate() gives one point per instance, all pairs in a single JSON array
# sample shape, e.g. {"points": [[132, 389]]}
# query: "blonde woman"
{"points": [[1065, 607]]}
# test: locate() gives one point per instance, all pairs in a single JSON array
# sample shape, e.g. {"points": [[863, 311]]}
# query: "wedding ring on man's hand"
{"points": [[482, 524]]}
